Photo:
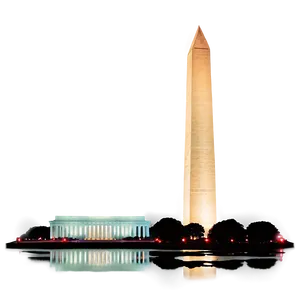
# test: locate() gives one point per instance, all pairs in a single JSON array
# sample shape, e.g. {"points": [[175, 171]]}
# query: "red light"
{"points": [[18, 239], [206, 240], [231, 240], [282, 240], [64, 240], [53, 239], [183, 239]]}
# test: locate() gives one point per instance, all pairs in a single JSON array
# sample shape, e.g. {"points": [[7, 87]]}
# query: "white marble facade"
{"points": [[99, 228]]}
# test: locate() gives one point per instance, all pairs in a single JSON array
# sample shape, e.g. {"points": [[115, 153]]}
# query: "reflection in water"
{"points": [[195, 264], [202, 272], [199, 273], [99, 260], [282, 256], [99, 257]]}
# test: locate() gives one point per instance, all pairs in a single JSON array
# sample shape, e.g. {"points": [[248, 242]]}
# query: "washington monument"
{"points": [[199, 165]]}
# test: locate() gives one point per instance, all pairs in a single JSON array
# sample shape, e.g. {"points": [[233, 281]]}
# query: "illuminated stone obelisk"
{"points": [[199, 168]]}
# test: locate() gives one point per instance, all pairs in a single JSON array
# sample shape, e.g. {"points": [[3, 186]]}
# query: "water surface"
{"points": [[199, 264]]}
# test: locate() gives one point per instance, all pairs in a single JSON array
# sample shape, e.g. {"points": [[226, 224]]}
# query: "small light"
{"points": [[231, 240], [183, 239], [18, 239], [206, 240]]}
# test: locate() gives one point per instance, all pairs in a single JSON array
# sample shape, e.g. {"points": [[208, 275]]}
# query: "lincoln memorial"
{"points": [[99, 228]]}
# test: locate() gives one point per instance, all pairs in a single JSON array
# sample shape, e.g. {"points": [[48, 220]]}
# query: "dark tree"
{"points": [[227, 231], [41, 230], [167, 229], [194, 230], [261, 232]]}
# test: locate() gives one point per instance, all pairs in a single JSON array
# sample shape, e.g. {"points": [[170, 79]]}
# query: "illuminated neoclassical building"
{"points": [[99, 228], [197, 202]]}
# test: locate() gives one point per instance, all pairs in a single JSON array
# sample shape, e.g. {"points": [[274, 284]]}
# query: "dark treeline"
{"points": [[172, 231], [227, 231]]}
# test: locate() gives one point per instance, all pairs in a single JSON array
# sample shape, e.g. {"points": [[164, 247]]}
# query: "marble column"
{"points": [[85, 230], [118, 231], [114, 232], [77, 230]]}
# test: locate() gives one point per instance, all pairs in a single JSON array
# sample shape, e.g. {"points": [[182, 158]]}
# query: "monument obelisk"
{"points": [[199, 166]]}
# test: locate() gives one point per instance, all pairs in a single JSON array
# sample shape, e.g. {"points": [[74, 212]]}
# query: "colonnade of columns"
{"points": [[99, 257], [98, 231]]}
